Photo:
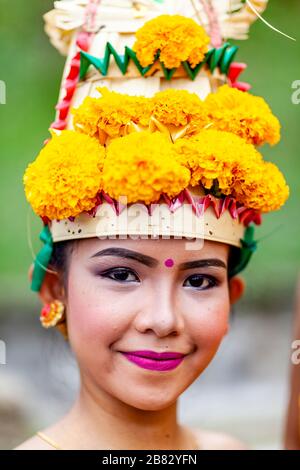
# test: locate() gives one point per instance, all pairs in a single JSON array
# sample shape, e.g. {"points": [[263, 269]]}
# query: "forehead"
{"points": [[161, 249]]}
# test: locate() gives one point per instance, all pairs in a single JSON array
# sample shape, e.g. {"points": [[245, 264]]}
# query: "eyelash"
{"points": [[213, 282]]}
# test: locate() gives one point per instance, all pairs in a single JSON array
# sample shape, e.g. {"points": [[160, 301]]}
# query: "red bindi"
{"points": [[169, 262]]}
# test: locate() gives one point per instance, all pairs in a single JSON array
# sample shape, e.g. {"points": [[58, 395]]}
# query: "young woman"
{"points": [[122, 189], [122, 297]]}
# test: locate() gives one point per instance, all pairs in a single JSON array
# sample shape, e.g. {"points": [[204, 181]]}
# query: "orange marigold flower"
{"points": [[64, 179], [215, 155], [179, 107], [111, 112], [262, 188], [86, 117], [243, 114], [142, 166], [177, 39]]}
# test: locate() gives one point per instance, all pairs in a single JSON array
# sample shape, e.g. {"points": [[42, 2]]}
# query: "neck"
{"points": [[103, 421]]}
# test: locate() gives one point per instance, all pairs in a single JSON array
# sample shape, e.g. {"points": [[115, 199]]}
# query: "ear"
{"points": [[236, 288], [52, 287]]}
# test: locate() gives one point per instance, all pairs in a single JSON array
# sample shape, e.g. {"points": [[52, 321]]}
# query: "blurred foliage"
{"points": [[32, 68]]}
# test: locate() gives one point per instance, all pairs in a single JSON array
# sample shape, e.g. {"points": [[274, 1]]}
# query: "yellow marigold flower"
{"points": [[65, 177], [215, 155], [262, 188], [142, 166], [176, 37], [243, 114], [179, 107], [110, 113], [86, 117]]}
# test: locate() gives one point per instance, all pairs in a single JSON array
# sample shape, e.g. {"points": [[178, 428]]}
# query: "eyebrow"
{"points": [[152, 262]]}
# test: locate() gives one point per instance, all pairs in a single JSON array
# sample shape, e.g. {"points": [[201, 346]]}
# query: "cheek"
{"points": [[210, 322], [93, 318]]}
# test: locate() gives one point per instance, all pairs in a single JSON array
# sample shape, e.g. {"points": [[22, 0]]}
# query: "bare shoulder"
{"points": [[209, 440], [34, 443]]}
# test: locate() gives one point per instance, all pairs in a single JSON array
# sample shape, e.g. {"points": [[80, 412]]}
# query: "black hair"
{"points": [[233, 259], [60, 259]]}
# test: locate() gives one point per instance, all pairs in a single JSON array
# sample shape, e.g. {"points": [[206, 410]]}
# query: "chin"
{"points": [[151, 399], [151, 405]]}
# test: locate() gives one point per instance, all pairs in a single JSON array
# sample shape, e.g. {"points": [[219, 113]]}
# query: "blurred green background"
{"points": [[32, 68]]}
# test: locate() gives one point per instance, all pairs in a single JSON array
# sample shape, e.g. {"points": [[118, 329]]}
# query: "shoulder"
{"points": [[34, 443], [48, 440], [209, 440]]}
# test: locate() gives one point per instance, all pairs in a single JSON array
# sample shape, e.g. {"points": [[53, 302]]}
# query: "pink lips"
{"points": [[155, 361]]}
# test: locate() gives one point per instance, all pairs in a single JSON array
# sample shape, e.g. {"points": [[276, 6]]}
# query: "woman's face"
{"points": [[123, 295]]}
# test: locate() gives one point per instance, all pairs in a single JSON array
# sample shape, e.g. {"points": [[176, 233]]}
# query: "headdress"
{"points": [[154, 133]]}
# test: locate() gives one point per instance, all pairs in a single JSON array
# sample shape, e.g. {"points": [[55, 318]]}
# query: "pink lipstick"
{"points": [[155, 361]]}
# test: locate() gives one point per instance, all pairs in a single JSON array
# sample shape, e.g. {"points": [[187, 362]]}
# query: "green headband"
{"points": [[249, 246], [42, 259]]}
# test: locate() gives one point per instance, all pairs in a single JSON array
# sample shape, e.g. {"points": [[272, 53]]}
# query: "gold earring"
{"points": [[52, 313]]}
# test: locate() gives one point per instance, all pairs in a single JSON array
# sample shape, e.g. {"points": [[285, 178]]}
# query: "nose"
{"points": [[160, 313]]}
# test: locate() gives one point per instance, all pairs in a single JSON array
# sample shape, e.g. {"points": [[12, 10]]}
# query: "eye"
{"points": [[120, 275], [201, 281]]}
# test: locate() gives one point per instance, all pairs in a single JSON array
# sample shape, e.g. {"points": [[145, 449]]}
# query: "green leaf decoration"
{"points": [[42, 259], [217, 57], [249, 246]]}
